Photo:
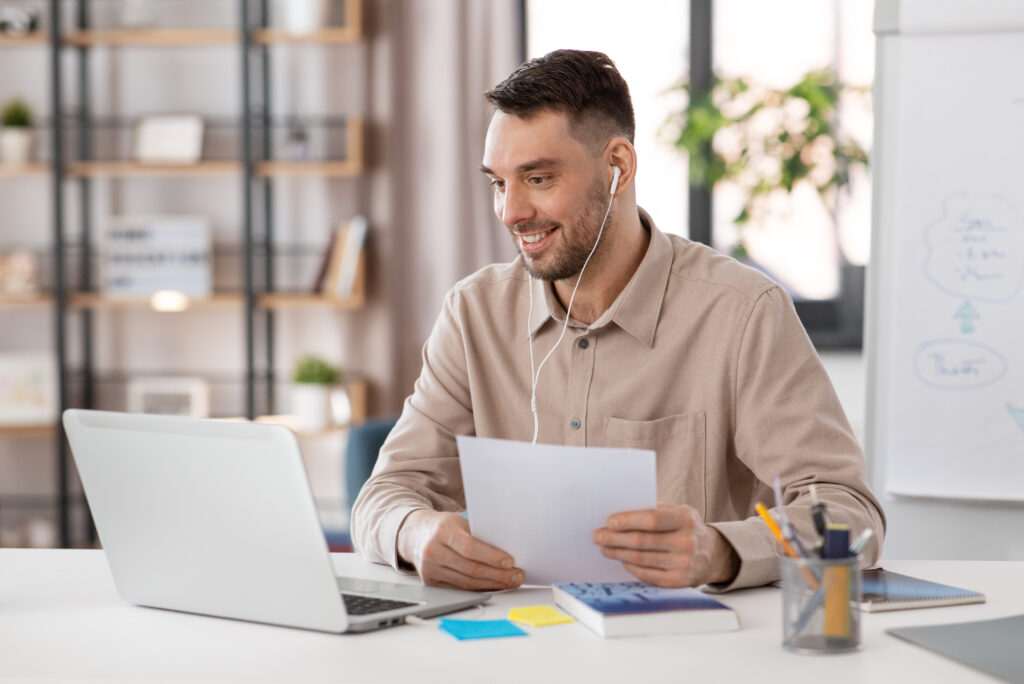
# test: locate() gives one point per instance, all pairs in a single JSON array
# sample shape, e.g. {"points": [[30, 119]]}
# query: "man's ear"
{"points": [[620, 153]]}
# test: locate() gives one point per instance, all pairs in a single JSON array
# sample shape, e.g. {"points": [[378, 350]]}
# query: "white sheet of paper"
{"points": [[541, 503]]}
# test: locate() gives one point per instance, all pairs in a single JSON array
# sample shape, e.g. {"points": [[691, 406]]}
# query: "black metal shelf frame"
{"points": [[254, 118]]}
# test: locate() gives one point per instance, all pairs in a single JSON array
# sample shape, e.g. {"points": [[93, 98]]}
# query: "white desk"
{"points": [[60, 618]]}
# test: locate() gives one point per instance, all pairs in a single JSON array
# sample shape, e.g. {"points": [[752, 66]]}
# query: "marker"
{"points": [[838, 620]]}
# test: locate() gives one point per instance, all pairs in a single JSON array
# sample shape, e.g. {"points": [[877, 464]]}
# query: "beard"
{"points": [[565, 258]]}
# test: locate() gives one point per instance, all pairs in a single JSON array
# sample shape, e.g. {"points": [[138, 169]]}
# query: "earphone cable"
{"points": [[535, 376]]}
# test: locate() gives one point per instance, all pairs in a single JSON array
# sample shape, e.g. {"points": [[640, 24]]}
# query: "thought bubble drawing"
{"points": [[958, 364], [976, 250]]}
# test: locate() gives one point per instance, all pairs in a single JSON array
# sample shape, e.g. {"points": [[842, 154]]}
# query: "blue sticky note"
{"points": [[480, 629]]}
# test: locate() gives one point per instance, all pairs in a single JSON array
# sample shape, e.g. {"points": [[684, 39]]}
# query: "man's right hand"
{"points": [[445, 554]]}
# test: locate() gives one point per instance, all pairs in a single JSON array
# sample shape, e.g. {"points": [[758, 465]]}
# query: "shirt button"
{"points": [[583, 343], [575, 423]]}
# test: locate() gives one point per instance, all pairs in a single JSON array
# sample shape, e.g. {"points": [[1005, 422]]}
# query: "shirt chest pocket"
{"points": [[679, 443]]}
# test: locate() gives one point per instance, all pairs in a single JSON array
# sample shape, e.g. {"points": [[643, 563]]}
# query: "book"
{"points": [[614, 609], [883, 590], [341, 272], [325, 262]]}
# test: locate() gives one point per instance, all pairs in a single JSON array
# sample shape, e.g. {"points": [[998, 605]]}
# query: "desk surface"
{"points": [[61, 618]]}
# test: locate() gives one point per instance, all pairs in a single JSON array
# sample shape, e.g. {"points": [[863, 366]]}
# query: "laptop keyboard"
{"points": [[364, 605]]}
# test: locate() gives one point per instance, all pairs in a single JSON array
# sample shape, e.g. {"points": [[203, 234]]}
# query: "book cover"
{"points": [[636, 608], [352, 246], [325, 262], [883, 590]]}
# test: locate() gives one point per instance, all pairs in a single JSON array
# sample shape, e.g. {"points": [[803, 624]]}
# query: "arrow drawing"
{"points": [[1018, 415], [966, 313]]}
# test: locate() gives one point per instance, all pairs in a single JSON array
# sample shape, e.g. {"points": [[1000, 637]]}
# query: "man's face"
{"points": [[548, 191]]}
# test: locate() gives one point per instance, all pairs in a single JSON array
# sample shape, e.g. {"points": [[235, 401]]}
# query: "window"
{"points": [[817, 252], [651, 56]]}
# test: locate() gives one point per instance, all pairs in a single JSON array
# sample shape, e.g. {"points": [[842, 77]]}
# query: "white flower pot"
{"points": [[311, 406], [15, 145], [303, 16]]}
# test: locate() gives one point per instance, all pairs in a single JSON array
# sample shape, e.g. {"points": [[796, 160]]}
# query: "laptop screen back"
{"points": [[207, 517]]}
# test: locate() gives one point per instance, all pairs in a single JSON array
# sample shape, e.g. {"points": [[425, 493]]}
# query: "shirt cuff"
{"points": [[759, 556], [388, 537]]}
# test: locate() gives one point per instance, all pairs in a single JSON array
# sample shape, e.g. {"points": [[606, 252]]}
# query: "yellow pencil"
{"points": [[774, 527]]}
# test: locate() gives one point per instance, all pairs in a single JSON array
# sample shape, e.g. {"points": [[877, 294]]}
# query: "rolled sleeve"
{"points": [[418, 466]]}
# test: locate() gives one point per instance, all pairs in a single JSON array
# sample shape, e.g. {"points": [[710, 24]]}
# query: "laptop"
{"points": [[217, 518]]}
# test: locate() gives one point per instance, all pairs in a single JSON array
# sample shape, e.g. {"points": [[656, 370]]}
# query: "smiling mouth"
{"points": [[535, 237], [530, 243]]}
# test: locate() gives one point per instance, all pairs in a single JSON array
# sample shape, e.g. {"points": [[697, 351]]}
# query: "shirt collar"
{"points": [[637, 308]]}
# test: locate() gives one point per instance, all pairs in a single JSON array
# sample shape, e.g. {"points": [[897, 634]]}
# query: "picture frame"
{"points": [[28, 388], [142, 255], [172, 396], [169, 139]]}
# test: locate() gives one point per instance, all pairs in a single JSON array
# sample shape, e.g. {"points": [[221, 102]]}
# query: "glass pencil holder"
{"points": [[821, 604]]}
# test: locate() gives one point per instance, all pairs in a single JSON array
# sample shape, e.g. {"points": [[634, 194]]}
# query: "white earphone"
{"points": [[535, 376]]}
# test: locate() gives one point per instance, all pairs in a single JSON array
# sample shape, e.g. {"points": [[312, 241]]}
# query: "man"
{"points": [[669, 346]]}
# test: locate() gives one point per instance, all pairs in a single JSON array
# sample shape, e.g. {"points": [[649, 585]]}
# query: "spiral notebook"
{"points": [[886, 590]]}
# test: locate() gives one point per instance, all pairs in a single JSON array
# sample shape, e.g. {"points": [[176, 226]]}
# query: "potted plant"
{"points": [[313, 377], [767, 141], [16, 133]]}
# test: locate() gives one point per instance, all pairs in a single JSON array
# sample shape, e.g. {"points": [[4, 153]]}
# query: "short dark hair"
{"points": [[585, 85]]}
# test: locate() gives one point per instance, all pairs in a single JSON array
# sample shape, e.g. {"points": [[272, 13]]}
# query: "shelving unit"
{"points": [[24, 312], [75, 298]]}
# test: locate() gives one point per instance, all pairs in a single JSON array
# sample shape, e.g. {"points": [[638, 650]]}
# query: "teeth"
{"points": [[536, 237]]}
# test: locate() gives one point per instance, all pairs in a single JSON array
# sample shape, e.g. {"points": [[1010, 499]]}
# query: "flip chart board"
{"points": [[946, 305]]}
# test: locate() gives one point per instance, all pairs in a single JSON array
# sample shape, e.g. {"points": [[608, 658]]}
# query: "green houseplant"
{"points": [[767, 140], [313, 378], [16, 132]]}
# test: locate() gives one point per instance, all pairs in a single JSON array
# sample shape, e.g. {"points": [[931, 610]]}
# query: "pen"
{"points": [[860, 542], [818, 513], [788, 531], [774, 527]]}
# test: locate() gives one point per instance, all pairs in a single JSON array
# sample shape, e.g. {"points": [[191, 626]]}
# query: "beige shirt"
{"points": [[700, 358]]}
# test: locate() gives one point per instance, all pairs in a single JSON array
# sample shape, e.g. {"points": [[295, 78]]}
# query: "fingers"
{"points": [[665, 518], [648, 559], [448, 555], [658, 576], [451, 579], [466, 545]]}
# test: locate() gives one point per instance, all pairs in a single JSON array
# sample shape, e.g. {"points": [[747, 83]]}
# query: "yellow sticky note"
{"points": [[538, 616]]}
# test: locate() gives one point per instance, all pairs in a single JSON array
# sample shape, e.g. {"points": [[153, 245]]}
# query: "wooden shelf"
{"points": [[345, 169], [152, 37], [27, 430], [29, 39], [279, 300], [124, 169], [341, 34], [25, 301], [93, 300], [352, 165], [24, 170]]}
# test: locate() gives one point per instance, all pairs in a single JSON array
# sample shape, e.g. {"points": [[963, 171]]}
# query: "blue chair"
{"points": [[364, 443], [361, 449]]}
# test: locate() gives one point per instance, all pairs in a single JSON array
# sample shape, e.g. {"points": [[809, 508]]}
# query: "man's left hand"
{"points": [[669, 546]]}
